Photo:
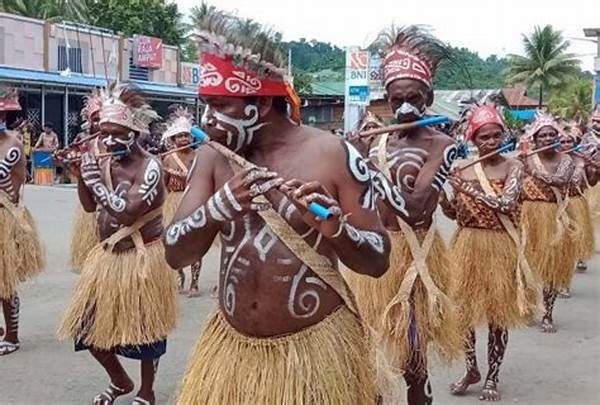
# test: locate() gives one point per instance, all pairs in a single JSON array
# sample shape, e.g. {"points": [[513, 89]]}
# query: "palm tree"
{"points": [[573, 101], [546, 63], [198, 14], [47, 9]]}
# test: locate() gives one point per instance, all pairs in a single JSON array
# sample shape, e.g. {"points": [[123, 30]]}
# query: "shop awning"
{"points": [[49, 78], [24, 76]]}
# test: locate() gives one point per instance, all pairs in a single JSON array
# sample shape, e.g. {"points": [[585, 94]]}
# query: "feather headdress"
{"points": [[127, 107], [179, 122]]}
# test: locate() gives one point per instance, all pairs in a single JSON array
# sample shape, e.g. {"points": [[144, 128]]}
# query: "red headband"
{"points": [[481, 116], [399, 64], [221, 77]]}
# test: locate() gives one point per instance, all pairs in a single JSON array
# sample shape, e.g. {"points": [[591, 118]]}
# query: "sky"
{"points": [[487, 27]]}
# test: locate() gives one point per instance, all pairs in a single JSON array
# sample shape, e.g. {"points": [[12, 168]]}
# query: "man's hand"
{"points": [[241, 190], [303, 194]]}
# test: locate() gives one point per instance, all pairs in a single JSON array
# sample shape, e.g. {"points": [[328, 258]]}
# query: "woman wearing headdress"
{"points": [[21, 255], [550, 250], [176, 167], [124, 302], [494, 286], [584, 176]]}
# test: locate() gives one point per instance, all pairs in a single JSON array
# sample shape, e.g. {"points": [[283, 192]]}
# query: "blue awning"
{"points": [[523, 115], [163, 89], [51, 78], [81, 81]]}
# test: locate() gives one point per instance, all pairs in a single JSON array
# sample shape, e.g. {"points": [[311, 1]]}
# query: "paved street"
{"points": [[538, 370]]}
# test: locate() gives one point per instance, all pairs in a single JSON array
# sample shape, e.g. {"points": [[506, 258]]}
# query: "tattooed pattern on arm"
{"points": [[114, 201], [504, 204], [149, 188], [450, 154], [12, 157], [217, 210], [562, 175], [376, 184]]}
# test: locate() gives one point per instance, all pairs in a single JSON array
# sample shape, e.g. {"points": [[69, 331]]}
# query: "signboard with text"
{"points": [[190, 74], [147, 52], [357, 77]]}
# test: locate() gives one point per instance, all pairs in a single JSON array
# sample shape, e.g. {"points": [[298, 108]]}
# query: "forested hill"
{"points": [[310, 57]]}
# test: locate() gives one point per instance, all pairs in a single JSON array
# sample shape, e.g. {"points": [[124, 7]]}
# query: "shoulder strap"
{"points": [[318, 263], [419, 253], [133, 230], [382, 162], [181, 165], [524, 272]]}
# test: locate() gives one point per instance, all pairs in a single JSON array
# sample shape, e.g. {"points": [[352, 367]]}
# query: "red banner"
{"points": [[147, 52]]}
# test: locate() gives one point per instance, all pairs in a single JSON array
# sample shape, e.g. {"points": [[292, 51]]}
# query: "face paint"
{"points": [[245, 128], [111, 141], [407, 109]]}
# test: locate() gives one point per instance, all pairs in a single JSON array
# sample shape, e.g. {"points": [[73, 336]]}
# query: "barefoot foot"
{"points": [[460, 387], [7, 347], [548, 326], [111, 393], [142, 399], [490, 391], [565, 293]]}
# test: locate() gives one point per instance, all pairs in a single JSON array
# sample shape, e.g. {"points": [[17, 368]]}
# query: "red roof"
{"points": [[515, 97]]}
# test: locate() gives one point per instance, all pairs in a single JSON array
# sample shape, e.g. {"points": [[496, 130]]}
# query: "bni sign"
{"points": [[357, 77]]}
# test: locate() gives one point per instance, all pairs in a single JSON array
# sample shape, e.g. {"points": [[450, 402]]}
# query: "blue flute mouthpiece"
{"points": [[319, 210], [199, 134], [440, 119]]}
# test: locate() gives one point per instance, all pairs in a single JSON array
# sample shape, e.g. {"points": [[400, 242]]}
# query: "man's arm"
{"points": [[422, 202], [128, 201], [191, 232], [202, 211], [356, 233]]}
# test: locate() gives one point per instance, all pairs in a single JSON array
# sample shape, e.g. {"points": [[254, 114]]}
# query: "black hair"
{"points": [[48, 124]]}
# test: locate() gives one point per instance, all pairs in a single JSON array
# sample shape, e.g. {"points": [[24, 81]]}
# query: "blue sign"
{"points": [[358, 93]]}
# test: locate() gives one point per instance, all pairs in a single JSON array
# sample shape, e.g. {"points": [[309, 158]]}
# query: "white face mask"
{"points": [[244, 128], [407, 109], [127, 142]]}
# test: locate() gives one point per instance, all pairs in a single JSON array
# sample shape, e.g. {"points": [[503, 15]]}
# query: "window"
{"points": [[73, 61], [136, 72]]}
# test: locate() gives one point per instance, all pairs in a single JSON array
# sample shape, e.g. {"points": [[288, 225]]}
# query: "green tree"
{"points": [[44, 9], [157, 18], [573, 101], [546, 64]]}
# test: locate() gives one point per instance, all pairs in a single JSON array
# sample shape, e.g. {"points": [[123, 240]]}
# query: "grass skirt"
{"points": [[592, 194], [84, 237], [170, 206], [485, 286], [412, 329], [553, 260], [327, 363], [125, 298], [583, 236], [21, 254]]}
